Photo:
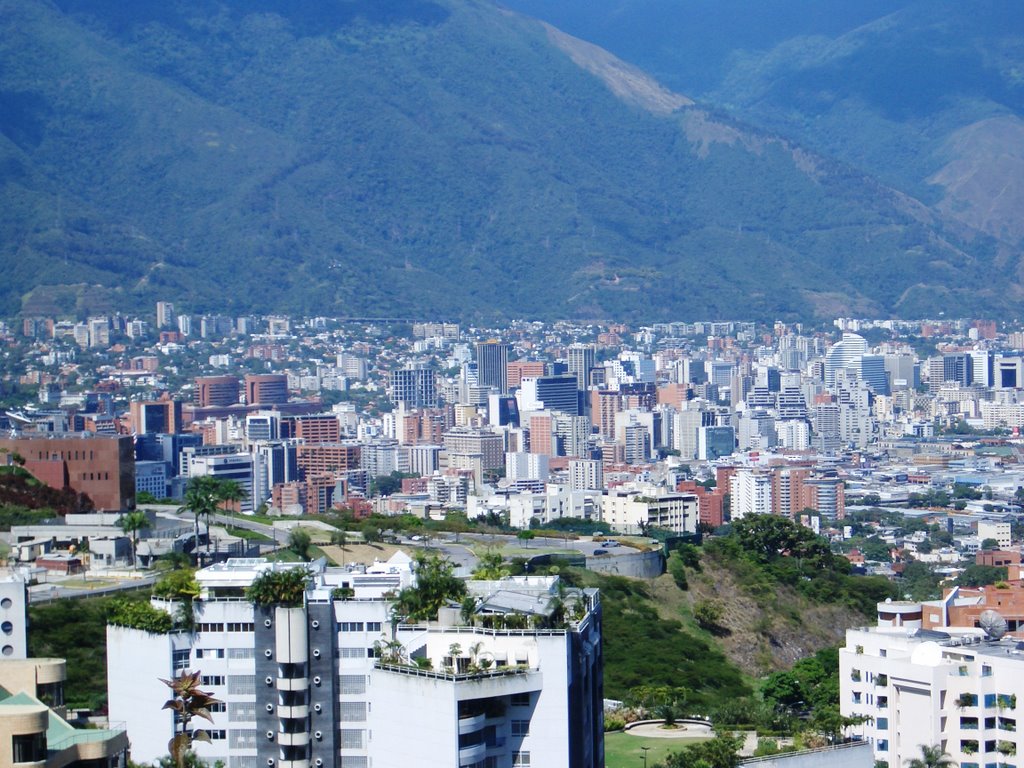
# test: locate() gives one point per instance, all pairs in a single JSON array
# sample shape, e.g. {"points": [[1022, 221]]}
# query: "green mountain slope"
{"points": [[928, 96], [408, 157]]}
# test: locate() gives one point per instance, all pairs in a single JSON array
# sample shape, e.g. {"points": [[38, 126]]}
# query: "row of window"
{"points": [[1002, 723], [359, 626], [231, 626]]}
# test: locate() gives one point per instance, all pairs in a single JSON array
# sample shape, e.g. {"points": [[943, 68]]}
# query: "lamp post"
{"points": [[645, 755]]}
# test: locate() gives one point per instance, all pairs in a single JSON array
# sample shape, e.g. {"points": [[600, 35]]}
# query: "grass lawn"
{"points": [[623, 751]]}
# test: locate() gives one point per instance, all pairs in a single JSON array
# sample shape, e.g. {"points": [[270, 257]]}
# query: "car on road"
{"points": [[610, 544], [600, 552]]}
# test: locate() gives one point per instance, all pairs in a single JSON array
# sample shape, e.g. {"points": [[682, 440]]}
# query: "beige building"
{"points": [[33, 731], [632, 510]]}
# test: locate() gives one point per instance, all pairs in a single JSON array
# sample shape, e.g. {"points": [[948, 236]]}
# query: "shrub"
{"points": [[285, 587], [138, 615]]}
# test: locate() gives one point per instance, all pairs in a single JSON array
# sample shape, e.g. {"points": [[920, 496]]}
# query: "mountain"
{"points": [[425, 157], [927, 96]]}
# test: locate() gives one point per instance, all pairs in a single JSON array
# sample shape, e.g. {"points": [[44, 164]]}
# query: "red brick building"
{"points": [[100, 466]]}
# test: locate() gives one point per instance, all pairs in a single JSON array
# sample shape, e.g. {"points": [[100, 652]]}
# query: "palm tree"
{"points": [[230, 492], [131, 524], [201, 499], [931, 757]]}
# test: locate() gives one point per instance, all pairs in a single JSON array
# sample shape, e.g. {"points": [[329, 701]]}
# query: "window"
{"points": [[29, 748], [218, 706], [209, 653], [986, 670], [212, 680], [990, 699], [210, 627], [882, 745], [520, 727], [373, 626], [353, 738], [356, 761], [352, 653], [242, 762], [520, 758], [352, 711], [520, 699], [883, 702], [240, 626], [241, 685], [180, 660], [52, 694], [241, 711], [968, 723], [241, 653], [351, 684], [351, 626], [882, 723], [217, 734]]}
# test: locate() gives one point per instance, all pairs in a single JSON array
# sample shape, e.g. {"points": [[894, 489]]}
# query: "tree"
{"points": [[231, 493], [286, 588], [708, 614], [989, 544], [131, 524], [205, 495], [299, 542], [931, 757], [525, 536], [436, 585], [720, 752], [188, 701]]}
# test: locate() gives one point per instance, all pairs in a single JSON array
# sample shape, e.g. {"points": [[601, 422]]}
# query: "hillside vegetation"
{"points": [[925, 94], [414, 157]]}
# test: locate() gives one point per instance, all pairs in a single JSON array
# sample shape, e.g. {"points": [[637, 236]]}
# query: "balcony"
{"points": [[473, 754], [300, 739], [292, 683], [471, 723], [304, 763], [293, 713]]}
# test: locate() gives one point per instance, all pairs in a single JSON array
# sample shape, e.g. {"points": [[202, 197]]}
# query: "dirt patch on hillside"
{"points": [[759, 635]]}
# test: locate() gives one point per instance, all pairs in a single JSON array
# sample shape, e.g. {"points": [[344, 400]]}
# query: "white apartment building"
{"points": [[630, 509], [333, 683], [750, 492], [992, 529], [955, 689]]}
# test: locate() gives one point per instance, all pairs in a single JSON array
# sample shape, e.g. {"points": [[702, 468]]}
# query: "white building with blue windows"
{"points": [[333, 682], [957, 689]]}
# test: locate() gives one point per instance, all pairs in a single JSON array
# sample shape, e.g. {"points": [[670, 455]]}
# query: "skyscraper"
{"points": [[844, 355], [581, 358], [492, 364]]}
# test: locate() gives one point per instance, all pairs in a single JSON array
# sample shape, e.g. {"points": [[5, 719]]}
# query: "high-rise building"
{"points": [[845, 354], [955, 688], [165, 317], [155, 417], [586, 475], [582, 358], [215, 391], [750, 493], [266, 389], [550, 393], [414, 387], [332, 682], [492, 364]]}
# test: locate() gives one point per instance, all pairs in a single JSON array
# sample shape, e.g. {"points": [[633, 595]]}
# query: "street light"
{"points": [[645, 755]]}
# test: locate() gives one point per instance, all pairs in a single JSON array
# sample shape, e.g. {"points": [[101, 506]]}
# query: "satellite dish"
{"points": [[993, 624]]}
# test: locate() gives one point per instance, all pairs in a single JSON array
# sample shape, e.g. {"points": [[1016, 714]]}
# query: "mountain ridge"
{"points": [[464, 166]]}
